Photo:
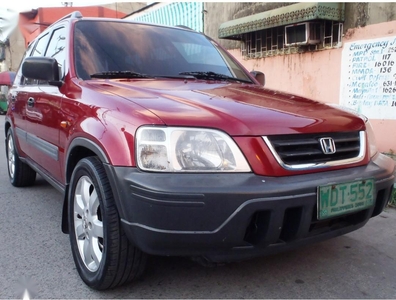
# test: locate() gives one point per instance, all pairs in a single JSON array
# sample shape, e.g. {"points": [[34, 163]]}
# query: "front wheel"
{"points": [[103, 255]]}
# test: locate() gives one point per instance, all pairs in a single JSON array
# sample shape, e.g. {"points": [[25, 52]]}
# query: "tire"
{"points": [[20, 174], [101, 251]]}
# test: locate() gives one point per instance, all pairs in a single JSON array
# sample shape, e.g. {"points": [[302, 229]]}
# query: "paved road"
{"points": [[361, 264]]}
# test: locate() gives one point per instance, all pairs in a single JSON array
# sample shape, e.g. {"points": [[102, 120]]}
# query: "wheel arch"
{"points": [[78, 149], [7, 126]]}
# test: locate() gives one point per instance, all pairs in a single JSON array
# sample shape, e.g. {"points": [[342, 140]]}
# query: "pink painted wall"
{"points": [[316, 75]]}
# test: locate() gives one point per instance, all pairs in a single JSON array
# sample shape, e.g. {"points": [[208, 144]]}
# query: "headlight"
{"points": [[177, 149], [371, 139]]}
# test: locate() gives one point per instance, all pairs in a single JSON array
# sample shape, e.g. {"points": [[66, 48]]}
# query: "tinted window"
{"points": [[18, 77], [41, 45], [38, 50], [102, 46], [56, 48]]}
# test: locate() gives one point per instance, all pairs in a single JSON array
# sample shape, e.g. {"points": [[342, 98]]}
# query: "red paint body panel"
{"points": [[248, 111], [237, 109]]}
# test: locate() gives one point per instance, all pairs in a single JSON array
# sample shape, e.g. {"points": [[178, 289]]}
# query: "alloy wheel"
{"points": [[88, 223], [11, 156]]}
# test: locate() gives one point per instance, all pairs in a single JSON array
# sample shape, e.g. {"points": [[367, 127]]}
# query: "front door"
{"points": [[42, 112]]}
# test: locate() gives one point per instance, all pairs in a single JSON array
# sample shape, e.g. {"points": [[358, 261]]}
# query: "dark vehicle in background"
{"points": [[163, 144], [6, 80]]}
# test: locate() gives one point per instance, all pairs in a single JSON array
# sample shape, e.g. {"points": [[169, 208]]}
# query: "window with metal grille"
{"points": [[302, 37], [2, 52]]}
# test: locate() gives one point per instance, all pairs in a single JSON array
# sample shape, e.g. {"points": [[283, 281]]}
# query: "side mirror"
{"points": [[259, 76], [42, 68]]}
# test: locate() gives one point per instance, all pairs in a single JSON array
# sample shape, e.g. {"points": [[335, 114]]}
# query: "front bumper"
{"points": [[228, 217]]}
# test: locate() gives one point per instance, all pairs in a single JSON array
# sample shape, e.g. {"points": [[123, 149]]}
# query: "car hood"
{"points": [[238, 109]]}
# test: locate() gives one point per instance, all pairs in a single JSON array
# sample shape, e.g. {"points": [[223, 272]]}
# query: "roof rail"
{"points": [[74, 15]]}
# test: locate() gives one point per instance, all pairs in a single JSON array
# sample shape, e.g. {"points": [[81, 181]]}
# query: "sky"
{"points": [[27, 5]]}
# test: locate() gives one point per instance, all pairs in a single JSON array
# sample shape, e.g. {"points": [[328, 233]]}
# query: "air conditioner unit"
{"points": [[307, 33]]}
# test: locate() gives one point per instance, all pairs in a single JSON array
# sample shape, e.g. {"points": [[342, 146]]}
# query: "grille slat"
{"points": [[306, 148], [349, 149], [345, 140], [294, 143], [301, 153]]}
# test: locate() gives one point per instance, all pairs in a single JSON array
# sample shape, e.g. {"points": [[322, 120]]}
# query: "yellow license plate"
{"points": [[344, 198]]}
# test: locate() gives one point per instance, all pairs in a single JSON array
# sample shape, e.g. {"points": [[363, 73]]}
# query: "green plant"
{"points": [[392, 201]]}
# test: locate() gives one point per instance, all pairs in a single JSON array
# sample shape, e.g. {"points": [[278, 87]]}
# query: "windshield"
{"points": [[149, 51]]}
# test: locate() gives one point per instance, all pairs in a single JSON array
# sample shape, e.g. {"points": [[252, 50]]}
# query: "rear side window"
{"points": [[41, 46], [56, 49], [18, 77], [38, 50]]}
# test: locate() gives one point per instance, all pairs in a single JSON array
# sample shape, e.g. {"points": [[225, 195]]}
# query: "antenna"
{"points": [[67, 4]]}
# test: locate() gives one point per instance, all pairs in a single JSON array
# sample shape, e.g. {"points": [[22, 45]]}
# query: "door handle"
{"points": [[30, 102]]}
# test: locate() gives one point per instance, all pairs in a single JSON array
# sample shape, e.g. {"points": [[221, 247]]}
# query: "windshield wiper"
{"points": [[119, 74], [213, 75]]}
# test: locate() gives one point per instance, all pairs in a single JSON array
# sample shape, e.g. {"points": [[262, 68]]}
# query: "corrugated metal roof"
{"points": [[176, 13]]}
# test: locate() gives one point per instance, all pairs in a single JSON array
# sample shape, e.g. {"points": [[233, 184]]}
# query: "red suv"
{"points": [[163, 144]]}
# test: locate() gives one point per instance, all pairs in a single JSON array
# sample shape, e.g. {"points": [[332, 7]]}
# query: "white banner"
{"points": [[8, 22], [368, 77]]}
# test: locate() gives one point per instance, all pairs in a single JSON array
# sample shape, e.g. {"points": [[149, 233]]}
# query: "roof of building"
{"points": [[32, 23]]}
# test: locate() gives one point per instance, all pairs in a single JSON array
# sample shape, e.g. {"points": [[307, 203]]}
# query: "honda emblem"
{"points": [[328, 145]]}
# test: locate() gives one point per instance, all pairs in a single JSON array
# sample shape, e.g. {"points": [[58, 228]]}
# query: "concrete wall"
{"points": [[360, 14], [315, 75], [15, 51]]}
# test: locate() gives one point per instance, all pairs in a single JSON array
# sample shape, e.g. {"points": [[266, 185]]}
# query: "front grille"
{"points": [[303, 149]]}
